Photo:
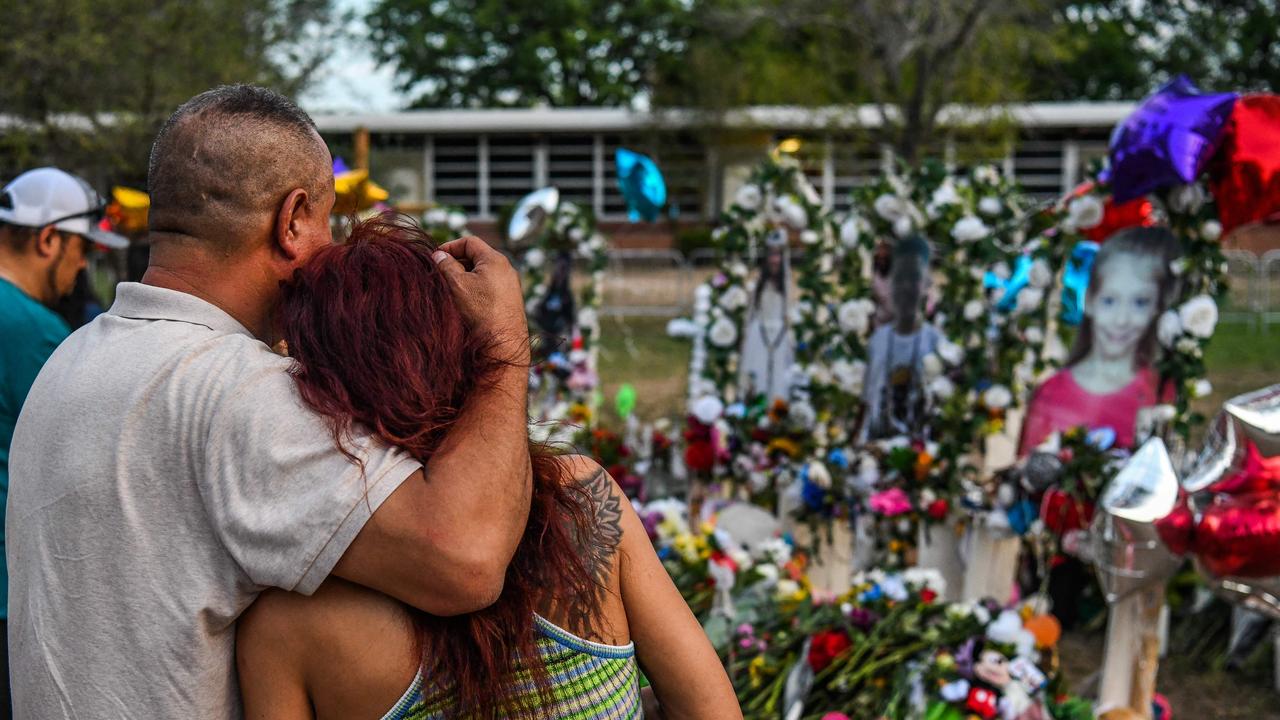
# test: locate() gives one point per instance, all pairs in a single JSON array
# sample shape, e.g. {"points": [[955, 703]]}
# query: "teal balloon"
{"points": [[1075, 281], [641, 183], [625, 401]]}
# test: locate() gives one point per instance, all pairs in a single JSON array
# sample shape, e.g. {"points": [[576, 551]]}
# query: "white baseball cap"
{"points": [[49, 196]]}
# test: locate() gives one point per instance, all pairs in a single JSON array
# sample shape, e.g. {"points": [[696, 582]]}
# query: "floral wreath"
{"points": [[568, 374]]}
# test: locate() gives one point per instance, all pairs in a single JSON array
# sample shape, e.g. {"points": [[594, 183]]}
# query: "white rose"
{"points": [[1029, 299], [707, 409], [997, 397], [990, 206], [818, 373], [849, 375], [1169, 328], [734, 297], [436, 216], [890, 207], [853, 317], [969, 228], [723, 333], [587, 317], [682, 328], [1199, 316], [802, 413], [1201, 388], [1187, 198], [1040, 275], [792, 212], [986, 174], [1187, 345], [942, 387], [748, 197], [973, 310], [810, 237], [1035, 335], [597, 243], [850, 232], [950, 352], [903, 226], [931, 364], [535, 258], [1085, 212], [1211, 230], [457, 221]]}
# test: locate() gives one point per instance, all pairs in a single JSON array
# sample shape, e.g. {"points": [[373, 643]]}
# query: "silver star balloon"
{"points": [[1258, 413], [1123, 543]]}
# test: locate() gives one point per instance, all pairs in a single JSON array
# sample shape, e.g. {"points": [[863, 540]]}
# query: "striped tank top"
{"points": [[590, 681]]}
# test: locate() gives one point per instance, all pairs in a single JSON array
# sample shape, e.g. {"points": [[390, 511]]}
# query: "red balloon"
{"points": [[1177, 529], [1245, 175], [1240, 536], [1257, 474], [1136, 212]]}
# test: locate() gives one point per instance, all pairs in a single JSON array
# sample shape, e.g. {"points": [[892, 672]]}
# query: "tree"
{"points": [[491, 53], [88, 82]]}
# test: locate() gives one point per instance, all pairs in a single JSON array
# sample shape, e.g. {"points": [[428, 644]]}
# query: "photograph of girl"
{"points": [[1109, 375]]}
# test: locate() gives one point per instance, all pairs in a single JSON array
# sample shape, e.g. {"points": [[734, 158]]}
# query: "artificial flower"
{"points": [[734, 297], [1199, 316], [990, 206], [748, 197], [1085, 212], [723, 333], [850, 232], [969, 228], [1169, 329]]}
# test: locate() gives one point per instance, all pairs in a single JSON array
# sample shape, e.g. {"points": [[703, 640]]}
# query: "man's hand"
{"points": [[487, 290]]}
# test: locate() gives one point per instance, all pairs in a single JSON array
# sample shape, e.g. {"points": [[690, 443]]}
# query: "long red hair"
{"points": [[378, 342]]}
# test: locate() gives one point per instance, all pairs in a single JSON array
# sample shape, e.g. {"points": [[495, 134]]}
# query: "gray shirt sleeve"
{"points": [[282, 498]]}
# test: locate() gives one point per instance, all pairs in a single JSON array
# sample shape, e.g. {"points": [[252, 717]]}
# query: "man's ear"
{"points": [[289, 222], [47, 239]]}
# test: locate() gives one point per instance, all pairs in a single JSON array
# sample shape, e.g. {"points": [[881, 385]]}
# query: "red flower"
{"points": [[938, 509], [700, 456], [1061, 512], [827, 645], [927, 596]]}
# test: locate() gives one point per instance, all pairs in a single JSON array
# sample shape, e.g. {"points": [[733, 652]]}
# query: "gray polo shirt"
{"points": [[164, 471]]}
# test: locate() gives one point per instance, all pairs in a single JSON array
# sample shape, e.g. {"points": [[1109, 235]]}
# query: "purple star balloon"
{"points": [[1168, 140]]}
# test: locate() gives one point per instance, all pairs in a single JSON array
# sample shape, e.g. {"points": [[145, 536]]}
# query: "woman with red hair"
{"points": [[379, 344]]}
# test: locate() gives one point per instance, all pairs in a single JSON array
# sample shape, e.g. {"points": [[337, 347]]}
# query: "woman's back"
{"points": [[348, 652]]}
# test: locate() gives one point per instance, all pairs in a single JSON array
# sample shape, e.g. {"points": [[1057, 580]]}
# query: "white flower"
{"points": [[997, 397], [850, 232], [597, 243], [990, 206], [950, 352], [942, 388], [1187, 198], [973, 310], [748, 197], [903, 226], [707, 409], [587, 317], [810, 237], [786, 588], [802, 414], [702, 292], [723, 333], [954, 691], [768, 573], [1001, 270], [1029, 299], [931, 364], [944, 196], [969, 228], [1035, 335], [986, 174], [890, 207], [682, 328], [1178, 267], [1199, 316], [1085, 212], [1211, 230], [535, 258], [1040, 275], [436, 216], [849, 375], [1006, 628], [1201, 388], [853, 317], [773, 550], [817, 373], [1169, 329], [925, 578], [894, 588], [819, 475], [927, 497], [1163, 412], [734, 297], [457, 221], [1187, 346], [792, 212]]}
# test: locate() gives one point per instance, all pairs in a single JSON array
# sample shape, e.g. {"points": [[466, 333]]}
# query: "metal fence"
{"points": [[660, 283]]}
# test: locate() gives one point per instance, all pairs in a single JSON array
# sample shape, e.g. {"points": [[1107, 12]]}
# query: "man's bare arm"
{"points": [[442, 543]]}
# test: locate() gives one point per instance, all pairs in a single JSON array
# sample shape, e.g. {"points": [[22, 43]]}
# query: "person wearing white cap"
{"points": [[46, 226]]}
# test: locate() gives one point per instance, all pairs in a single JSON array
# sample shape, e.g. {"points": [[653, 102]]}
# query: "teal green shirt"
{"points": [[30, 333]]}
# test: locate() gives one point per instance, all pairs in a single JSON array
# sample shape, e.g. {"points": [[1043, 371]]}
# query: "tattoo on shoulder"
{"points": [[600, 544]]}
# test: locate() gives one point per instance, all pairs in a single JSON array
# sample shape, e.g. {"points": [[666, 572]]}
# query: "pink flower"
{"points": [[891, 502], [835, 716]]}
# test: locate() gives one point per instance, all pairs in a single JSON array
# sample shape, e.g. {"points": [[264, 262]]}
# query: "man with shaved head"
{"points": [[199, 478]]}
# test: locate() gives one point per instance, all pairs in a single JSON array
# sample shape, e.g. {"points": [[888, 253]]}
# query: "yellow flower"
{"points": [[783, 445], [579, 412], [895, 545], [754, 669]]}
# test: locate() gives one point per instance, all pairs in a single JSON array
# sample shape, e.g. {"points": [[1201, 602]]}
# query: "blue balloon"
{"points": [[1102, 438], [1075, 281], [1017, 280], [1020, 516], [642, 185]]}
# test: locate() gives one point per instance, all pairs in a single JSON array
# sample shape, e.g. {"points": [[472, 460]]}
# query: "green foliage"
{"points": [[489, 53], [119, 67]]}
